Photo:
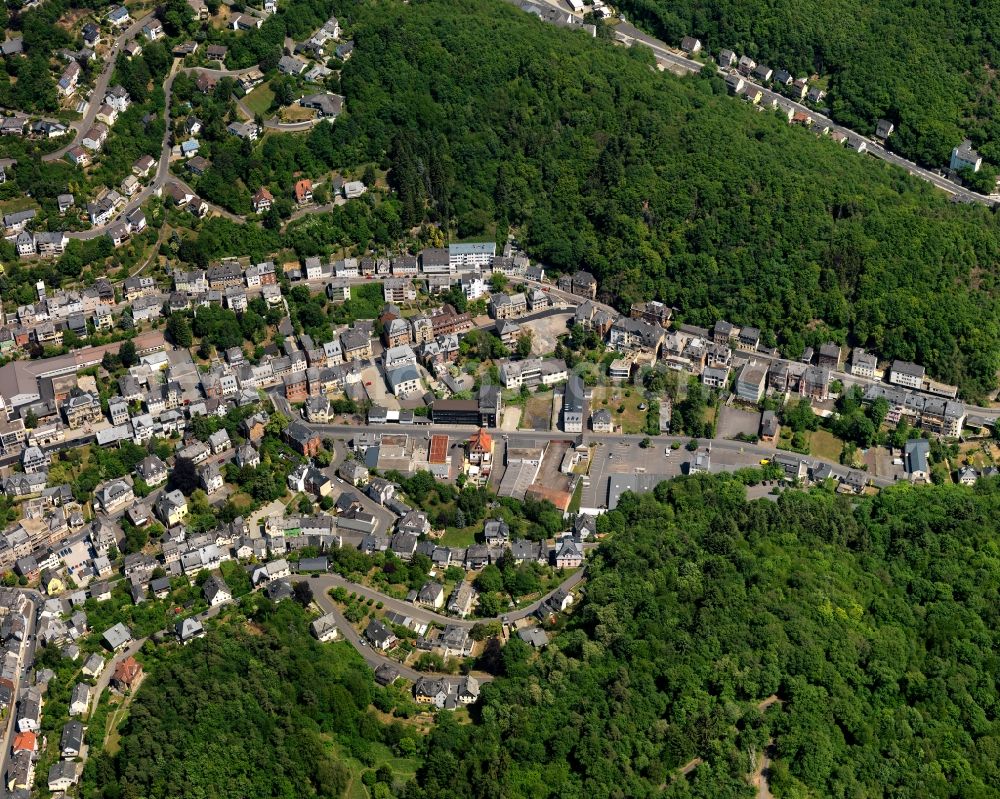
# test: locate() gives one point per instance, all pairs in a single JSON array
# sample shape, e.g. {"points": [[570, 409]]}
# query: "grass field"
{"points": [[403, 768], [459, 536], [824, 444], [296, 113], [17, 204], [537, 412], [260, 99], [631, 419]]}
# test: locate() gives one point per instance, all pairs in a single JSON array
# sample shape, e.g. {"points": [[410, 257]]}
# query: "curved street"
{"points": [[371, 657], [628, 34], [327, 581], [81, 126]]}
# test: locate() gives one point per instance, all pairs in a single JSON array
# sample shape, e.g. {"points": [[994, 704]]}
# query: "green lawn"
{"points": [[631, 419], [824, 444], [459, 536], [574, 505], [260, 99], [403, 768]]}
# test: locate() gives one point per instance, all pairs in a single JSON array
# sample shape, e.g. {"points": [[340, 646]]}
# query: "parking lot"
{"points": [[629, 459], [652, 465], [734, 421]]}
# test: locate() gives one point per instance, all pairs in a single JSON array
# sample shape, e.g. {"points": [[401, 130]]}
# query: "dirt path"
{"points": [[760, 777], [762, 773]]}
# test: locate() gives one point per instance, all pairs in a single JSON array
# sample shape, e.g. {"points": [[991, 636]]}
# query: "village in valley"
{"points": [[433, 477], [418, 444]]}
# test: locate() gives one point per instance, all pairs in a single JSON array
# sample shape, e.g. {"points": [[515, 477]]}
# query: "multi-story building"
{"points": [[82, 409], [435, 261], [750, 381], [471, 255], [863, 364], [399, 290], [943, 417], [533, 372], [815, 383], [905, 373]]}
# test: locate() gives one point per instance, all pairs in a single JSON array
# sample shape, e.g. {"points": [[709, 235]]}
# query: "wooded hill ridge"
{"points": [[927, 67], [874, 622], [664, 188], [867, 628]]}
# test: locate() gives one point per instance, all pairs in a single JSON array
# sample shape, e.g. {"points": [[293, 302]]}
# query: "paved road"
{"points": [[848, 379], [628, 34], [27, 655], [163, 175], [371, 657], [100, 88], [328, 581], [109, 671], [533, 437], [244, 109]]}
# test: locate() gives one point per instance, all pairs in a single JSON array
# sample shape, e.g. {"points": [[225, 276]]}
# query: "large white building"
{"points": [[472, 255], [533, 372]]}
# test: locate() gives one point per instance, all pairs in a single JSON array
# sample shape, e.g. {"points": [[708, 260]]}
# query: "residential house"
{"points": [[965, 157], [303, 191], [216, 591], [380, 636], [905, 373], [863, 364], [126, 674], [303, 439], [325, 104], [79, 702], [431, 595], [262, 200], [916, 454], [815, 383], [829, 356], [117, 637], [690, 45], [325, 628]]}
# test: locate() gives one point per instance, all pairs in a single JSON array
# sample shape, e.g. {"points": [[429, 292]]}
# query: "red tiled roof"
{"points": [[127, 671], [481, 441], [438, 452]]}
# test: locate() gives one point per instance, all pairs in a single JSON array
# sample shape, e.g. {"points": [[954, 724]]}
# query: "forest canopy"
{"points": [[874, 627], [856, 636], [665, 188], [246, 712], [928, 67]]}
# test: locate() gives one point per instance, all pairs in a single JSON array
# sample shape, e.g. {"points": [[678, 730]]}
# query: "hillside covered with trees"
{"points": [[664, 187], [874, 628], [857, 637], [928, 67], [249, 711]]}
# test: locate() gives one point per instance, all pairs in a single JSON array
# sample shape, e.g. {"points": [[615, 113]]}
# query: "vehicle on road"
{"points": [[764, 462], [666, 452]]}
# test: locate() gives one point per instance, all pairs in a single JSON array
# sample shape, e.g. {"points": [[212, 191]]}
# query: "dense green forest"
{"points": [[875, 626], [248, 711], [868, 628], [929, 67], [664, 188]]}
